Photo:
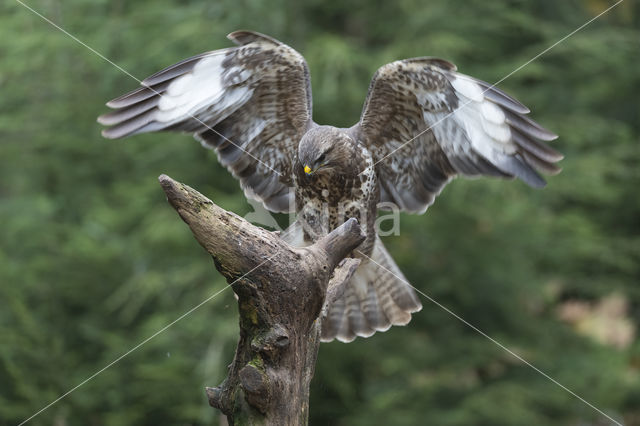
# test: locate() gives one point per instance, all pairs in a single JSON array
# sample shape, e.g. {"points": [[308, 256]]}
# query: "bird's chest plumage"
{"points": [[326, 201]]}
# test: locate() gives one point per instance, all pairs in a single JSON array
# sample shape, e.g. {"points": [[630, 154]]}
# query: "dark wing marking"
{"points": [[461, 126], [250, 103]]}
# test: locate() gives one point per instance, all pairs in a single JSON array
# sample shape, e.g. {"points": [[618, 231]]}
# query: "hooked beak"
{"points": [[309, 171]]}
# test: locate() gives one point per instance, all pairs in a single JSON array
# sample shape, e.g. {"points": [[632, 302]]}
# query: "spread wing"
{"points": [[250, 103], [457, 125]]}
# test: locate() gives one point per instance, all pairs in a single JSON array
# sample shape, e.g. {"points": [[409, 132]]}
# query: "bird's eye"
{"points": [[321, 158]]}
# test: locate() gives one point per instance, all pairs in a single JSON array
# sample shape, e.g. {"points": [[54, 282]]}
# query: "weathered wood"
{"points": [[281, 293]]}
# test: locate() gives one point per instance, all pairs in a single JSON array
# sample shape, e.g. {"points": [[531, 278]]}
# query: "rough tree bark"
{"points": [[282, 291]]}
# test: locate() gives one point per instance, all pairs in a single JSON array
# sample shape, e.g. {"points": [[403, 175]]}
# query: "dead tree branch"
{"points": [[281, 293]]}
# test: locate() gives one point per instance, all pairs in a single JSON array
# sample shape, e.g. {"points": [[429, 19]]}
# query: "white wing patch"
{"points": [[483, 123], [200, 88], [492, 112], [468, 89]]}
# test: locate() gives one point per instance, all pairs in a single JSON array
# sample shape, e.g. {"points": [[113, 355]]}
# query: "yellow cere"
{"points": [[307, 169]]}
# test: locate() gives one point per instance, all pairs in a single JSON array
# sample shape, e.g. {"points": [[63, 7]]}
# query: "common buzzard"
{"points": [[423, 124]]}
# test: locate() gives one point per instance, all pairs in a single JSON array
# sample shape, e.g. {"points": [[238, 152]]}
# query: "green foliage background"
{"points": [[93, 261]]}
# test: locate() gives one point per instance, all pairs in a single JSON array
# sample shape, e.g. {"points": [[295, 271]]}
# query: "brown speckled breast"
{"points": [[325, 201]]}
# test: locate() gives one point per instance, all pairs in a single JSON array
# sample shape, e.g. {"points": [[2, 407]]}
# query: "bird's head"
{"points": [[325, 150]]}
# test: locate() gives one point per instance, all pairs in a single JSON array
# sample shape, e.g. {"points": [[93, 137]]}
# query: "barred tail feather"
{"points": [[376, 297]]}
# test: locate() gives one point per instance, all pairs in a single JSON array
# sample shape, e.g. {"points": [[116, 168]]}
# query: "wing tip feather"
{"points": [[103, 119], [108, 135], [121, 101]]}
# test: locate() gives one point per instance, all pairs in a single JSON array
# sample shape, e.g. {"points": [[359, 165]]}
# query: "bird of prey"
{"points": [[422, 124]]}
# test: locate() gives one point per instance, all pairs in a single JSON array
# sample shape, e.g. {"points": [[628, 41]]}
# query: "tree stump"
{"points": [[282, 291]]}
